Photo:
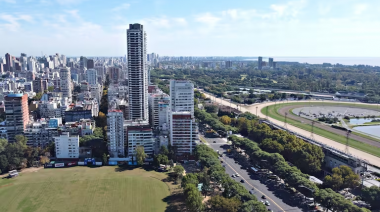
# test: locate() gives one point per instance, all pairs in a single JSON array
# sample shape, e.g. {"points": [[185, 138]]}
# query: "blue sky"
{"points": [[337, 28]]}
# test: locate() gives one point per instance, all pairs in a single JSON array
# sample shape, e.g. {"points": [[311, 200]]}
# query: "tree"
{"points": [[44, 160], [140, 155], [342, 176], [193, 198], [51, 88], [98, 132], [221, 204], [190, 178], [211, 108], [225, 120], [160, 159], [164, 150], [38, 96], [178, 171], [105, 159], [372, 196]]}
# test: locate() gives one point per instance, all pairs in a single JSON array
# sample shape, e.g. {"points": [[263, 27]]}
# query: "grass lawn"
{"points": [[273, 113], [107, 188]]}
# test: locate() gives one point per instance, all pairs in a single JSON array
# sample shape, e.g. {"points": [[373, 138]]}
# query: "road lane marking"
{"points": [[252, 185]]}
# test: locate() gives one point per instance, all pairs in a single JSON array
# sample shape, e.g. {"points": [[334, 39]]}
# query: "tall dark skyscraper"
{"points": [[260, 63], [90, 63], [8, 60], [137, 72]]}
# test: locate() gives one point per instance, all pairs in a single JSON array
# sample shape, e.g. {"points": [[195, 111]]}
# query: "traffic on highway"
{"points": [[269, 191]]}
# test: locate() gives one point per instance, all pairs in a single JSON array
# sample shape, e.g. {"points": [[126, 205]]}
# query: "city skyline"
{"points": [[215, 28]]}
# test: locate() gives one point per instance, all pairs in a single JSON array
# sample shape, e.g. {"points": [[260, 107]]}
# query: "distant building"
{"points": [[92, 76], [271, 62], [17, 114], [113, 74], [158, 102], [90, 63], [228, 64], [260, 63], [66, 146], [65, 81]]}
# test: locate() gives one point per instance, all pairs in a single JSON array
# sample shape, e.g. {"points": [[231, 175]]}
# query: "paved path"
{"points": [[257, 107]]}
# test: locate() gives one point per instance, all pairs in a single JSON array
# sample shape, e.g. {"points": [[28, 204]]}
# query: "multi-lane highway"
{"points": [[280, 200]]}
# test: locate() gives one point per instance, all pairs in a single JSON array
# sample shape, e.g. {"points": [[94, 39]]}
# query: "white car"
{"points": [[237, 175], [267, 203]]}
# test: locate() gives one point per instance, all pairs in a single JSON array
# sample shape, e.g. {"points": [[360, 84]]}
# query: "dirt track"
{"points": [[257, 107], [322, 126]]}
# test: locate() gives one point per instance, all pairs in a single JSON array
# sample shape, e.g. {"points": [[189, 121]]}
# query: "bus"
{"points": [[253, 170]]}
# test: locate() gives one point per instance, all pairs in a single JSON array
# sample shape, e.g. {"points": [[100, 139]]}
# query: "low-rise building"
{"points": [[139, 133]]}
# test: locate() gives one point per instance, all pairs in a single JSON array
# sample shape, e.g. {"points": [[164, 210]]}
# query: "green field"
{"points": [[85, 189], [273, 113]]}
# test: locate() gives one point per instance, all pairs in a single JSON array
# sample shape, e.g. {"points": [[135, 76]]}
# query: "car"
{"points": [[237, 175], [263, 197], [242, 181], [270, 210], [267, 203], [233, 175], [250, 192], [224, 166], [214, 142]]}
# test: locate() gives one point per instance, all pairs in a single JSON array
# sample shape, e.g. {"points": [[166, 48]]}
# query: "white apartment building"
{"points": [[183, 132], [139, 133], [182, 96], [92, 76], [157, 108], [96, 92], [65, 82], [50, 110], [115, 133], [67, 146], [137, 72]]}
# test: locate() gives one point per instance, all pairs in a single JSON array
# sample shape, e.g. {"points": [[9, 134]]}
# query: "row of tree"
{"points": [[234, 197], [294, 177], [17, 155]]}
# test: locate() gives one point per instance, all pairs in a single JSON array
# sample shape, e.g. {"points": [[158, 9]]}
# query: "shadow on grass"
{"points": [[121, 168], [176, 202]]}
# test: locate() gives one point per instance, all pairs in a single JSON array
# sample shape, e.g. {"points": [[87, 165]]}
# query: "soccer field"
{"points": [[85, 189]]}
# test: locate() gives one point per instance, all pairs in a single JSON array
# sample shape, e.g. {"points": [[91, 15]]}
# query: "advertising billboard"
{"points": [[98, 163], [112, 163], [48, 165], [71, 164], [80, 163], [57, 165]]}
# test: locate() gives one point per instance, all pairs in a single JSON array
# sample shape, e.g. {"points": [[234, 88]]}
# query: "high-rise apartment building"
{"points": [[113, 74], [65, 81], [115, 133], [137, 72], [183, 132], [260, 63], [182, 96], [92, 76], [228, 64], [83, 63], [8, 62], [90, 63], [17, 114], [271, 62]]}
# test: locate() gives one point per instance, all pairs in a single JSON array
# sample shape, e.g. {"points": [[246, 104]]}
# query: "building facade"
{"points": [[17, 114], [137, 72], [183, 132], [65, 76], [66, 146], [182, 96], [139, 133], [115, 133]]}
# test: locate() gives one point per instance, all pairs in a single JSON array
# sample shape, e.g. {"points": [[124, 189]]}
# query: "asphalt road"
{"points": [[279, 200]]}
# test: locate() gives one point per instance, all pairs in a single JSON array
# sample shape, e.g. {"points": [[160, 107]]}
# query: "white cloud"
{"points": [[122, 7], [69, 2], [291, 8], [12, 21], [360, 8], [208, 19]]}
